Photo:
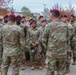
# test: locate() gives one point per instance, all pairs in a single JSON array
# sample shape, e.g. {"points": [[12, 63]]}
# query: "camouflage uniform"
{"points": [[12, 39], [41, 30], [34, 51], [24, 29], [39, 25], [55, 42], [1, 49], [69, 51], [73, 43]]}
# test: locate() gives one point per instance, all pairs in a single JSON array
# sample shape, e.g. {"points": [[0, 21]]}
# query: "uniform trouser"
{"points": [[6, 62], [23, 58], [59, 62], [73, 46], [1, 52], [68, 60], [74, 55], [35, 58]]}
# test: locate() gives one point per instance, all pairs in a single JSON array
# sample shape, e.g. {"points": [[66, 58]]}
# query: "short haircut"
{"points": [[73, 16], [55, 15], [40, 17]]}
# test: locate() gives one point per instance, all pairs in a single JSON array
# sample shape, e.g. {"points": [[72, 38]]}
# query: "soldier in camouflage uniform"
{"points": [[55, 42], [41, 18], [64, 19], [72, 22], [18, 20], [12, 42], [1, 48], [5, 20], [41, 30], [24, 28], [33, 36]]}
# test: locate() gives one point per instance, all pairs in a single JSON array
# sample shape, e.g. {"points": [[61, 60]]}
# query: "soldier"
{"points": [[41, 18], [13, 44], [72, 19], [35, 55], [5, 19], [64, 19], [1, 48], [25, 20], [24, 28], [18, 20], [41, 30], [54, 40], [40, 46], [72, 22]]}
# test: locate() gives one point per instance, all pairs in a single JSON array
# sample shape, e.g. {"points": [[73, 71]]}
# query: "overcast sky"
{"points": [[37, 5]]}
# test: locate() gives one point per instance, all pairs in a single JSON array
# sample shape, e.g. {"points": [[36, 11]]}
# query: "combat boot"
{"points": [[40, 67], [22, 67], [73, 63], [32, 68]]}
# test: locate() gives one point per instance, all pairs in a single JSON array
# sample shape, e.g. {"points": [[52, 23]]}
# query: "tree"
{"points": [[5, 3], [70, 9], [26, 12], [46, 13]]}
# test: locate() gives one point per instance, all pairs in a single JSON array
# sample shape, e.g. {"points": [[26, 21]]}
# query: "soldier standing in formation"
{"points": [[41, 18], [64, 19], [73, 47], [33, 36], [55, 42], [25, 29], [41, 30], [1, 48], [13, 43]]}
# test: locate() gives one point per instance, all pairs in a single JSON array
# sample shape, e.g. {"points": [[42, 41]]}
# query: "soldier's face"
{"points": [[33, 25], [41, 20], [71, 19], [23, 20], [44, 24], [64, 19]]}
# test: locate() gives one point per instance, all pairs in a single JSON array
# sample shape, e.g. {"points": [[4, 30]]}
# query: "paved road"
{"points": [[28, 71]]}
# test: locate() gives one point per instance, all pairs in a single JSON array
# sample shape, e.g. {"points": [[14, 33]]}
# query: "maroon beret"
{"points": [[64, 15], [32, 21], [55, 11], [19, 17], [12, 15]]}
